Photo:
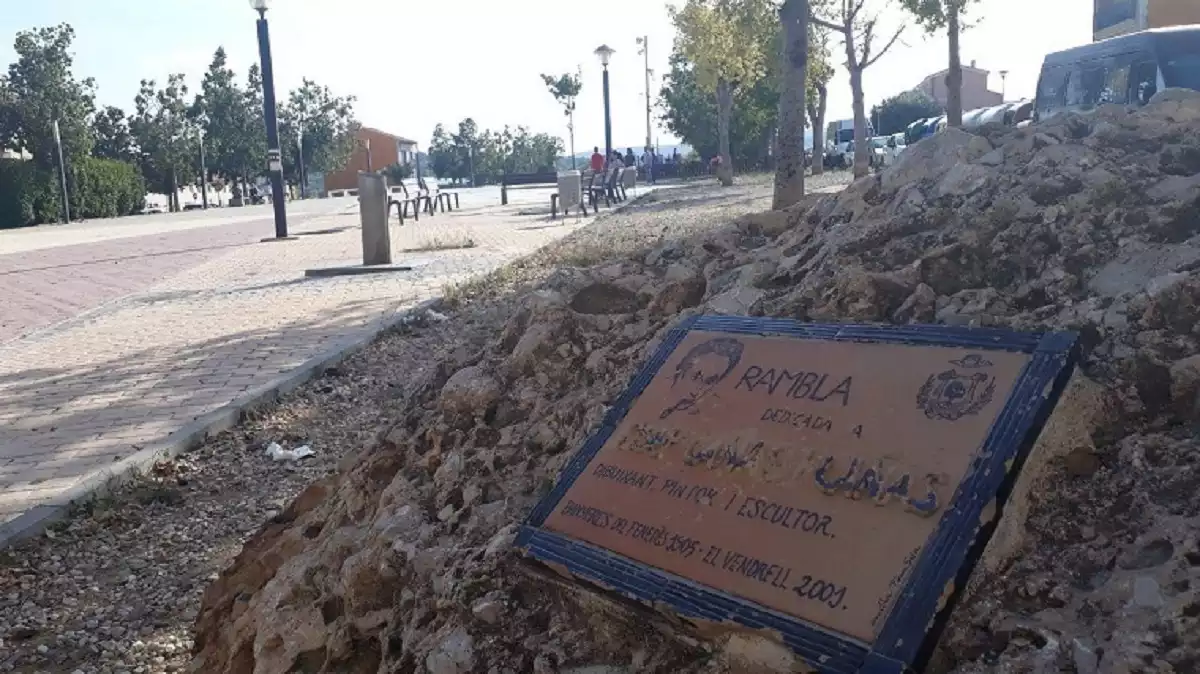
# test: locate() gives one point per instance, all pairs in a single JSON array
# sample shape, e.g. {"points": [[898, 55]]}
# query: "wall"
{"points": [[975, 92], [1161, 13], [384, 151]]}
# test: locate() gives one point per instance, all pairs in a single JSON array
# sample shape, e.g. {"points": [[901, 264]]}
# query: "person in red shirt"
{"points": [[597, 160]]}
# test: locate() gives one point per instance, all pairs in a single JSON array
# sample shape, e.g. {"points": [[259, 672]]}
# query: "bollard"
{"points": [[373, 211]]}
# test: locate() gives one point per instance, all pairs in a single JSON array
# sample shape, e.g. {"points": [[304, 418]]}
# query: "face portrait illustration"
{"points": [[702, 368]]}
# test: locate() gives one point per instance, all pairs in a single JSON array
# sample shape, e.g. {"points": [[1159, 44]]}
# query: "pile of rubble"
{"points": [[402, 563]]}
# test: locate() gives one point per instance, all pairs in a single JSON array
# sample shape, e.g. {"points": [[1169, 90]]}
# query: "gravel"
{"points": [[115, 588]]}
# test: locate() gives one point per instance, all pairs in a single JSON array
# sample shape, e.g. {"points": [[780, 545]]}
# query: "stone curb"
{"points": [[35, 520]]}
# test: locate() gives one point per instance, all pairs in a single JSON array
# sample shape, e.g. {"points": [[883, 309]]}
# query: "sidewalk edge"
{"points": [[38, 518]]}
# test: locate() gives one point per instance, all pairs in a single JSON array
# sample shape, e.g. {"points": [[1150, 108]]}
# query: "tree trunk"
{"points": [[724, 113], [172, 192], [789, 163], [817, 113], [954, 104], [862, 156]]}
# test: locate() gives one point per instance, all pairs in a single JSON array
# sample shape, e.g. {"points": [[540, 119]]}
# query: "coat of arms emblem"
{"points": [[952, 395]]}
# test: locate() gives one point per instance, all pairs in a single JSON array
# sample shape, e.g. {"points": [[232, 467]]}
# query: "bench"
{"points": [[420, 202], [526, 181]]}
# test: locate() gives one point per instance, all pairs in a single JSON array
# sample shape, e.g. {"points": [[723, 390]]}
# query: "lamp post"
{"points": [[605, 52], [274, 156], [1003, 85]]}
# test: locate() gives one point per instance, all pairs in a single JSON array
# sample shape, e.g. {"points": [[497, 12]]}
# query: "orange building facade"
{"points": [[1119, 17], [375, 150]]}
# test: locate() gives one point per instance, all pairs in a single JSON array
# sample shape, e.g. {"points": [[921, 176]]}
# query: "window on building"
{"points": [[1179, 58], [1085, 88], [1052, 89], [1143, 82], [1116, 88], [1111, 12]]}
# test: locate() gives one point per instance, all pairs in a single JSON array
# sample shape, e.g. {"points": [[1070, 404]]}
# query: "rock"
{"points": [[1146, 593], [1083, 655], [604, 298], [454, 655], [488, 611], [471, 390], [738, 301]]}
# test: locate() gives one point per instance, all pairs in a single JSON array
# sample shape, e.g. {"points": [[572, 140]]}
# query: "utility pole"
{"points": [[62, 171], [300, 159], [645, 42]]}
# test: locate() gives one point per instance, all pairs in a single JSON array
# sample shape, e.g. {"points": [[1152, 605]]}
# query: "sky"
{"points": [[412, 64]]}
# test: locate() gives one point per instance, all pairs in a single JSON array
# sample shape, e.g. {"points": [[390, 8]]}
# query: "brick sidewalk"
{"points": [[95, 388]]}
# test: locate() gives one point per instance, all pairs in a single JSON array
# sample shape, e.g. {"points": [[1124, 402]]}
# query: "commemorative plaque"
{"points": [[825, 483]]}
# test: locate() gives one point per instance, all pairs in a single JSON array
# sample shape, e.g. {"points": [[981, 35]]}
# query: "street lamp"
{"points": [[605, 52], [1003, 85], [274, 156]]}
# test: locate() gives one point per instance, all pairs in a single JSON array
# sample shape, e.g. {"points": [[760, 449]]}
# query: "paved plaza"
{"points": [[111, 343]]}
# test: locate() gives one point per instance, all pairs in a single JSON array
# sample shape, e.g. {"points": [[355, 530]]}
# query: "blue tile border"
{"points": [[953, 550]]}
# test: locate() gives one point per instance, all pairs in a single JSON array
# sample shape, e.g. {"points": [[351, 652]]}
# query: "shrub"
{"points": [[105, 188], [28, 195]]}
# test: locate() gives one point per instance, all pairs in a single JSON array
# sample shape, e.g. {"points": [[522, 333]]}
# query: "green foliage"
{"points": [[166, 133], [895, 114], [398, 172], [490, 153], [40, 88], [110, 128], [565, 89], [99, 188], [235, 143], [105, 188], [731, 41], [328, 127], [690, 111], [28, 194], [933, 15]]}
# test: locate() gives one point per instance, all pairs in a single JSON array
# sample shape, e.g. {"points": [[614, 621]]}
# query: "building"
{"points": [[1111, 18], [374, 150], [975, 92]]}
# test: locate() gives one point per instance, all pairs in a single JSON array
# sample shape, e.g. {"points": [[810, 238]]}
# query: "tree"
{"points": [[934, 15], [895, 114], [40, 89], [857, 28], [727, 42], [690, 113], [817, 97], [328, 126], [789, 164], [443, 156], [565, 89], [397, 173], [233, 130], [166, 135], [110, 128]]}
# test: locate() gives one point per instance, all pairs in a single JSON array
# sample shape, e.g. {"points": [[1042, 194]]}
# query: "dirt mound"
{"points": [[402, 563]]}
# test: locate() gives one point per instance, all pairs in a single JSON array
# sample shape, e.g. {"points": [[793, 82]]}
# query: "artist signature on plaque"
{"points": [[952, 395], [830, 472]]}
